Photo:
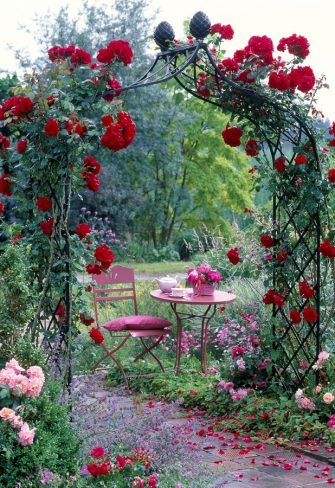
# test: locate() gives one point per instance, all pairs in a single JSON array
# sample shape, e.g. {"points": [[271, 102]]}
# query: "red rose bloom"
{"points": [[232, 136], [113, 84], [6, 185], [92, 182], [301, 159], [96, 335], [228, 65], [91, 166], [105, 255], [310, 315], [305, 290], [262, 46], [296, 45], [79, 56], [237, 352], [2, 208], [233, 256], [331, 175], [327, 249], [117, 50], [52, 128], [280, 164], [295, 316], [272, 298], [82, 230], [282, 255], [4, 143], [107, 120], [75, 127], [225, 31], [93, 269], [280, 81], [43, 204], [46, 226], [86, 320], [302, 78], [267, 241], [119, 134], [97, 452], [21, 146], [251, 148], [16, 238]]}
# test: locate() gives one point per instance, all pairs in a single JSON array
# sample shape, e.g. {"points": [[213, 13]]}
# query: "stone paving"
{"points": [[219, 459]]}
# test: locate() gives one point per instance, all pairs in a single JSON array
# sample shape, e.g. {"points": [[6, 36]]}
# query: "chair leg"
{"points": [[110, 354], [149, 350]]}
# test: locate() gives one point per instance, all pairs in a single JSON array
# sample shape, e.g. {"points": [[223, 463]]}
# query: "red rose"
{"points": [[43, 204], [97, 452], [267, 241], [92, 182], [232, 136], [282, 255], [46, 226], [117, 50], [331, 175], [82, 230], [93, 269], [52, 128], [295, 316], [296, 45], [280, 164], [327, 249], [91, 166], [105, 255], [310, 315], [237, 352], [225, 31], [119, 134], [16, 238], [262, 46], [2, 208], [4, 143], [246, 76], [305, 290], [86, 320], [113, 84], [96, 335], [6, 185], [107, 120], [228, 65], [302, 78], [251, 148], [272, 298], [75, 127], [79, 56], [21, 146], [233, 256], [301, 159], [203, 91], [279, 81]]}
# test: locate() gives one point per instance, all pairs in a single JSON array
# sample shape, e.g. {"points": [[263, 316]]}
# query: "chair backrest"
{"points": [[103, 292]]}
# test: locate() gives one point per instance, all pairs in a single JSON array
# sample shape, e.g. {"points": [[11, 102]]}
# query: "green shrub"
{"points": [[55, 446]]}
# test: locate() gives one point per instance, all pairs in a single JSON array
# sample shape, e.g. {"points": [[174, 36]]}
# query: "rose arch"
{"points": [[269, 101], [53, 125]]}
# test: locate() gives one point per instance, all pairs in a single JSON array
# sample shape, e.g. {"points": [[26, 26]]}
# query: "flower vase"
{"points": [[204, 289]]}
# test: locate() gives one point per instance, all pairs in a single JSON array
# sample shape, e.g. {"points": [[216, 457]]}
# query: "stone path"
{"points": [[207, 458]]}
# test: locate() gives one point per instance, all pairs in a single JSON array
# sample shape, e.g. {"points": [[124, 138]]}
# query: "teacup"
{"points": [[177, 292]]}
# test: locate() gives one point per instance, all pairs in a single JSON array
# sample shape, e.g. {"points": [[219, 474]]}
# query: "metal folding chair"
{"points": [[149, 329]]}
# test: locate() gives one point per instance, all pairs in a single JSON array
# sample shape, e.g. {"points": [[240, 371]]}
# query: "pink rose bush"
{"points": [[15, 383]]}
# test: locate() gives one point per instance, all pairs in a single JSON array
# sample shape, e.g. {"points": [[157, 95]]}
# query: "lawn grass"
{"points": [[161, 268]]}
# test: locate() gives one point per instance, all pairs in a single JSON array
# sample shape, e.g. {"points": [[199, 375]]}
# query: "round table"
{"points": [[210, 301]]}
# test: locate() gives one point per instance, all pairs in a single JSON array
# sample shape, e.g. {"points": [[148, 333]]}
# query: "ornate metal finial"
{"points": [[163, 35], [200, 25]]}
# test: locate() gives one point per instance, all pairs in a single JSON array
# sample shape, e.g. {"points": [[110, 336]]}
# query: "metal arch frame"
{"points": [[290, 342]]}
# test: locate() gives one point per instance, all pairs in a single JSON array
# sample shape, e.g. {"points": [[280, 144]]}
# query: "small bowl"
{"points": [[177, 292]]}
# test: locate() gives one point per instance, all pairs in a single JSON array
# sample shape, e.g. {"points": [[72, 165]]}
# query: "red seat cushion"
{"points": [[137, 322]]}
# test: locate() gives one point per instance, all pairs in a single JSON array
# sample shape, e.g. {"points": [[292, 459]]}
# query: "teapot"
{"points": [[167, 283]]}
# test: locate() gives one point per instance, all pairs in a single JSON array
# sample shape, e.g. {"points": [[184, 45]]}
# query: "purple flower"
{"points": [[46, 477]]}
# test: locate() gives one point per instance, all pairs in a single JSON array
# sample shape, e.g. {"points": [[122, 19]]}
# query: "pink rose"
{"points": [[7, 413], [14, 365], [26, 435]]}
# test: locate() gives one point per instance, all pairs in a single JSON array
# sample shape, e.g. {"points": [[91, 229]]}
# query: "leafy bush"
{"points": [[16, 298], [55, 445]]}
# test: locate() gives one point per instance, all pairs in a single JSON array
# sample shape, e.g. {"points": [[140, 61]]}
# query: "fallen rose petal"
{"points": [[303, 468], [287, 467]]}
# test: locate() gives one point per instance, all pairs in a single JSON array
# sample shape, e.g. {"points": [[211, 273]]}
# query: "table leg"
{"points": [[178, 341], [204, 336]]}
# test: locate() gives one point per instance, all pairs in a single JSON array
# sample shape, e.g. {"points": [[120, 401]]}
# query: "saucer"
{"points": [[176, 296]]}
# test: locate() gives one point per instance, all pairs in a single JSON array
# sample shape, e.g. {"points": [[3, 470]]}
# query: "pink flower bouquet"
{"points": [[203, 278]]}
